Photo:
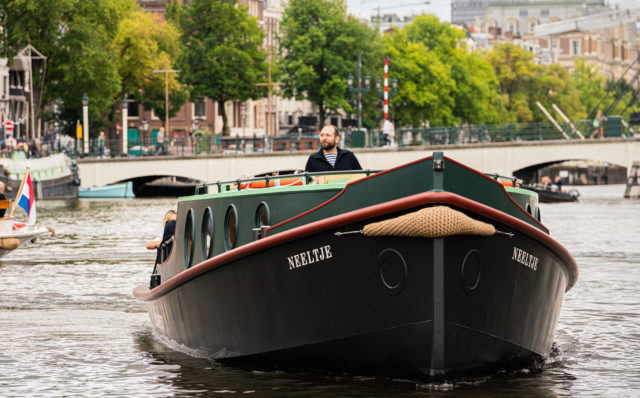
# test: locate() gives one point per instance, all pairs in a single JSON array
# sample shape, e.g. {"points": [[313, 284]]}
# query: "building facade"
{"points": [[612, 49], [272, 115], [467, 11]]}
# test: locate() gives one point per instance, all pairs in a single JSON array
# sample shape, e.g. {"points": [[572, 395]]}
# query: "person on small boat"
{"points": [[331, 157], [168, 232], [557, 181], [2, 197]]}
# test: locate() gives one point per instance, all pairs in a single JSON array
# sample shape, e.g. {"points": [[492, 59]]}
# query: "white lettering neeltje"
{"points": [[309, 257], [524, 258]]}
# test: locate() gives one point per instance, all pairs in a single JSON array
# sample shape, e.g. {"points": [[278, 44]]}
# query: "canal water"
{"points": [[69, 325]]}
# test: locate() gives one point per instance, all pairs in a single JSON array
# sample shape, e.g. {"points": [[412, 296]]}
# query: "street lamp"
{"points": [[125, 128], [85, 123], [359, 89], [243, 114], [144, 125]]}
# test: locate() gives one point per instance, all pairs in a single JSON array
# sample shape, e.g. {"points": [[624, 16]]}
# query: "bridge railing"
{"points": [[404, 137]]}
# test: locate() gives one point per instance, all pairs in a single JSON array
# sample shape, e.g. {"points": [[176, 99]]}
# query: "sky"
{"points": [[366, 8]]}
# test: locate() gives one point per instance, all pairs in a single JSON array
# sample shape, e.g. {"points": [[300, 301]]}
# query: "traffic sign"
{"points": [[8, 126]]}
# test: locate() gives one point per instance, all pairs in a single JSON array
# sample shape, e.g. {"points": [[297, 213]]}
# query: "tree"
{"points": [[146, 42], [440, 80], [222, 58], [553, 85], [514, 69], [102, 48], [319, 45], [523, 83], [82, 60], [425, 84]]}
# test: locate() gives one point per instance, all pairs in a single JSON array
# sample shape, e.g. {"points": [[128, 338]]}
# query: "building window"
{"points": [[133, 107], [575, 47], [524, 13], [544, 13], [199, 109]]}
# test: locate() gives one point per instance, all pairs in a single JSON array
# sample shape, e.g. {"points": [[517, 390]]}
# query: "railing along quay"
{"points": [[404, 137]]}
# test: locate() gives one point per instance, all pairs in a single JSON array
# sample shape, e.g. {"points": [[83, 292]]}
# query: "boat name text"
{"points": [[309, 257], [524, 258]]}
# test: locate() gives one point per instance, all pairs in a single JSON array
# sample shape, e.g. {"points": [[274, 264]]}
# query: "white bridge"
{"points": [[502, 158]]}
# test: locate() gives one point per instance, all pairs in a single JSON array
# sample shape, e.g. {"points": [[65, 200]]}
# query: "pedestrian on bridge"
{"points": [[160, 142], [598, 124]]}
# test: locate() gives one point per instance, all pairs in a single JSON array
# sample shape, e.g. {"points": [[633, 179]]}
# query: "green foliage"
{"points": [[440, 80], [319, 44], [589, 83], [145, 43], [222, 58], [103, 48], [522, 83]]}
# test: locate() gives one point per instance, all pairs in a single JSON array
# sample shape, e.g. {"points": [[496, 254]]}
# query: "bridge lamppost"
{"points": [[359, 89], [125, 128], [144, 125], [85, 123]]}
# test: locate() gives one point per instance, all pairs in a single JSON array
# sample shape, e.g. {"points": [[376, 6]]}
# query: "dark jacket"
{"points": [[167, 243], [346, 160]]}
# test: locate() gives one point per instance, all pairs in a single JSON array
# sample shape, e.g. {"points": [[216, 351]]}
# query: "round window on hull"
{"points": [[189, 235], [231, 227], [207, 234], [263, 215]]}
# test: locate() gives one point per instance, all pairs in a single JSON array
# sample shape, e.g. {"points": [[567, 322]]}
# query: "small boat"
{"points": [[54, 176], [422, 271], [14, 235], [551, 193], [114, 191], [17, 234]]}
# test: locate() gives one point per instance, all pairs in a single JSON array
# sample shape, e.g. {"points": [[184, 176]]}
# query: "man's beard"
{"points": [[327, 146]]}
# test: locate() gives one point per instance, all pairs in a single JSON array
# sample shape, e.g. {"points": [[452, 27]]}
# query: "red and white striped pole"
{"points": [[386, 88]]}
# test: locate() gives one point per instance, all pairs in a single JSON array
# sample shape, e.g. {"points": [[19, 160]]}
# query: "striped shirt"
{"points": [[331, 158]]}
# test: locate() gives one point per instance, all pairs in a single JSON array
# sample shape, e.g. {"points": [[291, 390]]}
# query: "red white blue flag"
{"points": [[27, 200]]}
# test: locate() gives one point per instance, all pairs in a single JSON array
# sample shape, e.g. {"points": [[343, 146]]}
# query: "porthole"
{"points": [[538, 215], [528, 208], [207, 234], [263, 215], [189, 234], [231, 227]]}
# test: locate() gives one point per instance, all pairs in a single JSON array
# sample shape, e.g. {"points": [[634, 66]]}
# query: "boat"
{"points": [[551, 193], [54, 176], [423, 271], [114, 191], [14, 235]]}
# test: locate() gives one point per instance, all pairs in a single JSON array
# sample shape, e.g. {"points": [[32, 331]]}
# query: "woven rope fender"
{"points": [[430, 222]]}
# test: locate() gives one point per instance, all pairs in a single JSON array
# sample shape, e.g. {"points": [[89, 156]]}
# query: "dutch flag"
{"points": [[27, 200]]}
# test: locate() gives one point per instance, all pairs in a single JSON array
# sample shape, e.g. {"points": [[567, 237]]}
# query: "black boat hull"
{"points": [[395, 306], [551, 196]]}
